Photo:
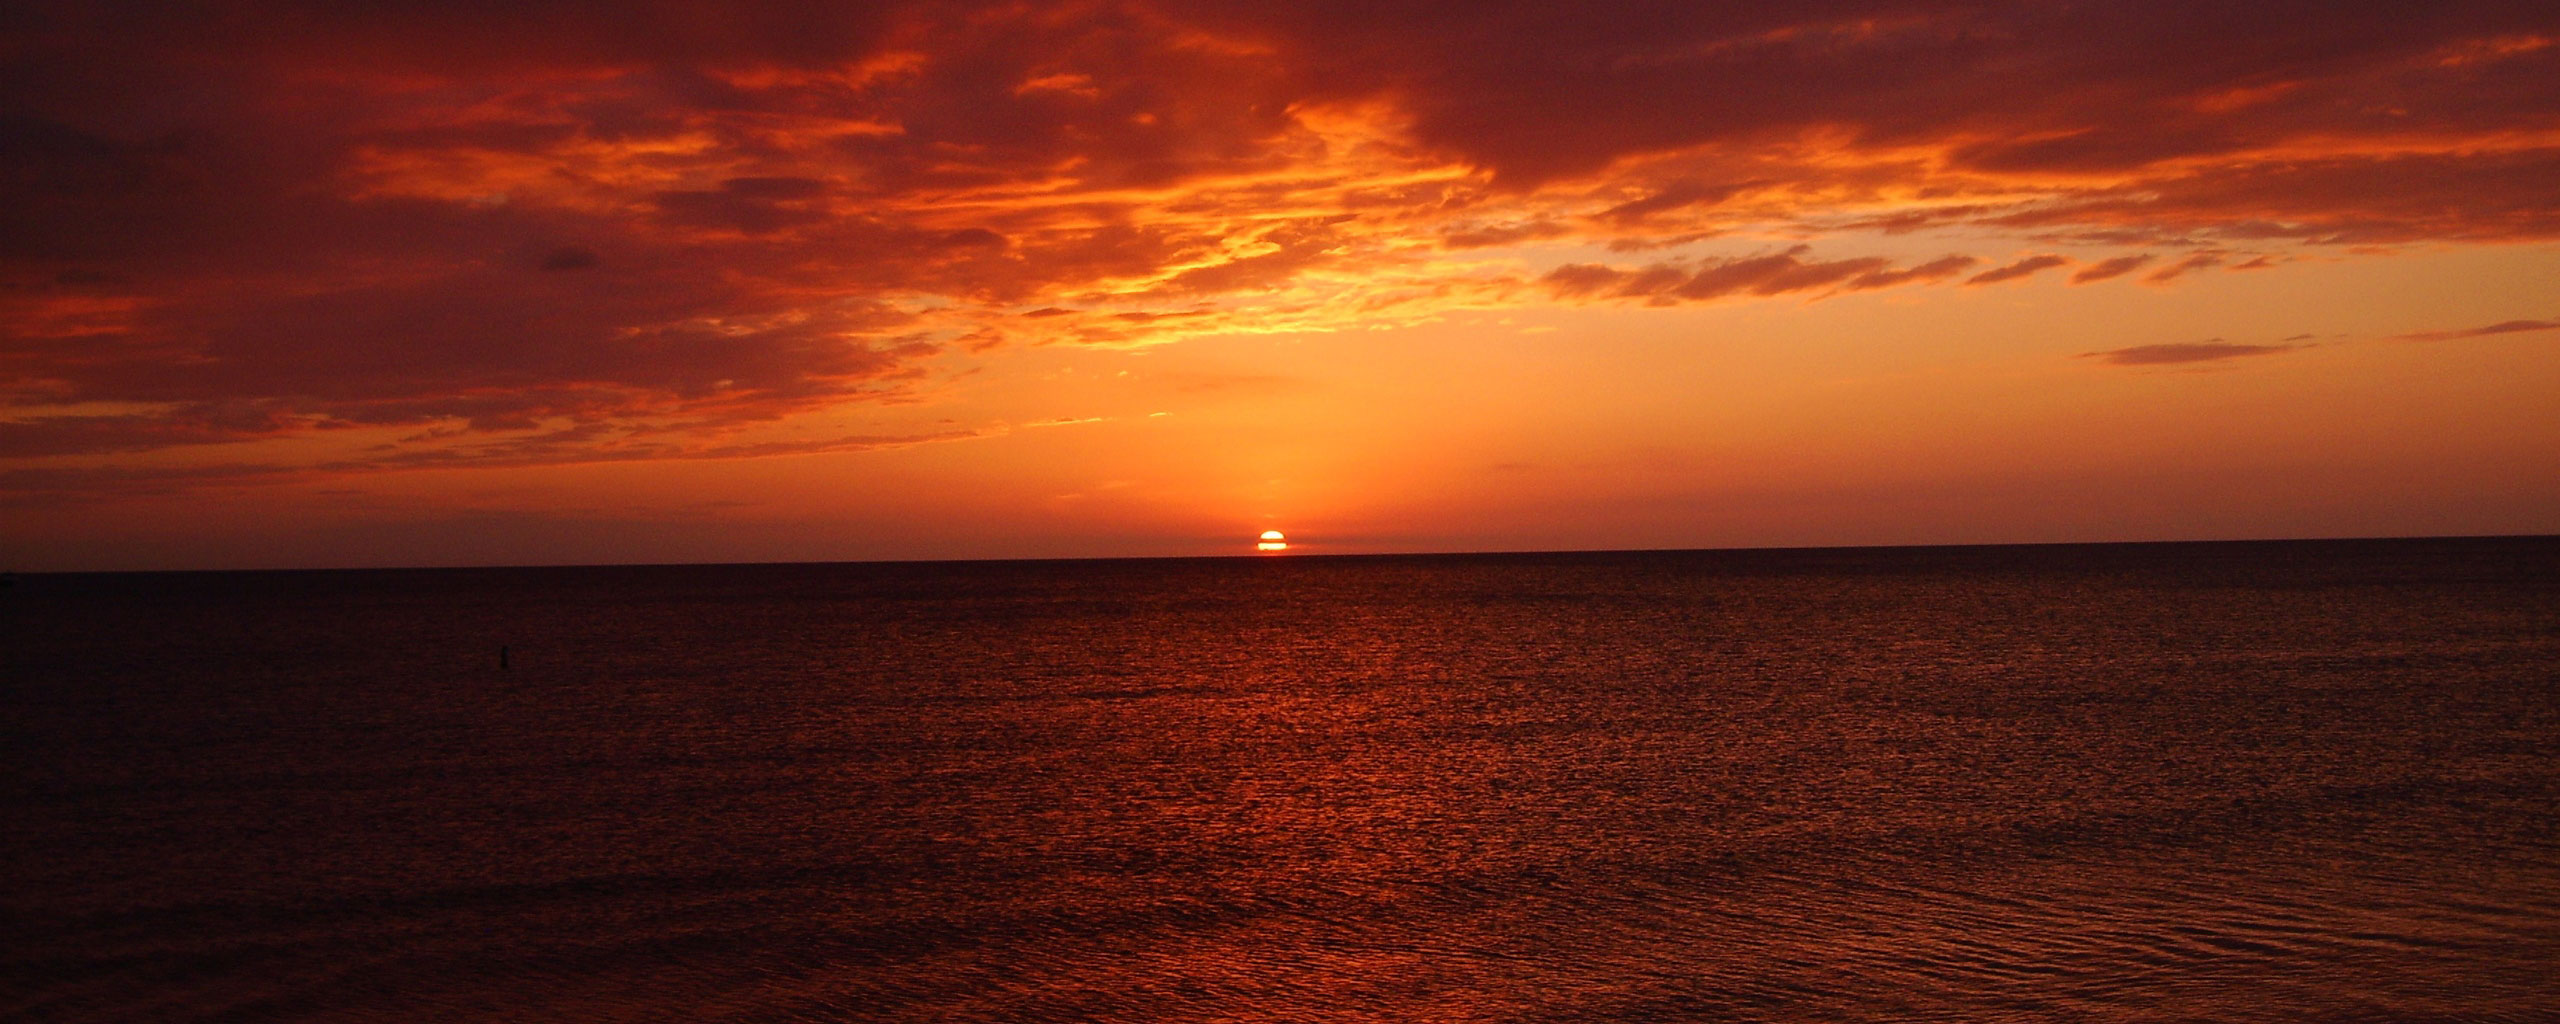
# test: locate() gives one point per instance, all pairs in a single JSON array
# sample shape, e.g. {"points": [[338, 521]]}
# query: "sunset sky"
{"points": [[310, 284]]}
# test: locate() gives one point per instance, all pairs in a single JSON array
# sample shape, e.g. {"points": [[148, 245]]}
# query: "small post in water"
{"points": [[502, 657]]}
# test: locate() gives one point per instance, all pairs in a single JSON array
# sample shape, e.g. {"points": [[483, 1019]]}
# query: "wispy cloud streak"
{"points": [[2505, 327], [2213, 351]]}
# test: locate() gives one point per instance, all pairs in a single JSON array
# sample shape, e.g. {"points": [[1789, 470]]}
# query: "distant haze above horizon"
{"points": [[285, 284]]}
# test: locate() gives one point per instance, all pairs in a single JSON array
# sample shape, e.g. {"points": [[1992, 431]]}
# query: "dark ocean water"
{"points": [[2232, 782]]}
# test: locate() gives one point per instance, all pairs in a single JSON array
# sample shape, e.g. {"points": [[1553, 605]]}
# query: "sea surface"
{"points": [[2287, 782]]}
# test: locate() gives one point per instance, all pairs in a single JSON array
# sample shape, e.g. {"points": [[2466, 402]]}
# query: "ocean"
{"points": [[2299, 781]]}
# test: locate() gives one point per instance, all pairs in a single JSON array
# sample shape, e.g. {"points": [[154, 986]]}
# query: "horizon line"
{"points": [[1294, 555]]}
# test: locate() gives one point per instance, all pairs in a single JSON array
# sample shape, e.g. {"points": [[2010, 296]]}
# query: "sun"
{"points": [[1272, 540]]}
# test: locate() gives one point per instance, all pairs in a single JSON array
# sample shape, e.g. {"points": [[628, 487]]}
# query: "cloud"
{"points": [[1289, 249], [2105, 269], [2502, 327], [2019, 269], [48, 485], [1934, 270], [1507, 234], [570, 257], [1778, 273], [191, 424], [272, 219], [1674, 196], [2197, 261], [752, 206], [2212, 351], [1538, 93], [2321, 197]]}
